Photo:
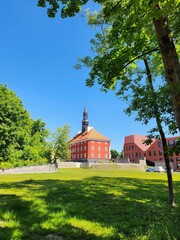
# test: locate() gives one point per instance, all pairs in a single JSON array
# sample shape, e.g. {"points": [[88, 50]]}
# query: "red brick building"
{"points": [[89, 145], [134, 149]]}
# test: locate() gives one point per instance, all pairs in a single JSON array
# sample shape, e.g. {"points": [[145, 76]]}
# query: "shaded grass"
{"points": [[88, 204]]}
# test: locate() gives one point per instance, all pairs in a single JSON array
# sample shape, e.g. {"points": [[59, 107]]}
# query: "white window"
{"points": [[99, 155], [84, 147], [106, 155], [81, 155], [92, 155], [106, 149], [84, 155], [99, 148], [92, 148]]}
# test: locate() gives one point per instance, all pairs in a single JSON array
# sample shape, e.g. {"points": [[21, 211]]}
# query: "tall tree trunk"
{"points": [[171, 62], [161, 132]]}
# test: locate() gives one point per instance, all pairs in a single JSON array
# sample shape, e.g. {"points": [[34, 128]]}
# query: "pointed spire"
{"points": [[85, 122], [85, 109]]}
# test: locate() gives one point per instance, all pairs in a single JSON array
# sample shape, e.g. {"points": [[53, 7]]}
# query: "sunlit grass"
{"points": [[89, 204], [92, 227]]}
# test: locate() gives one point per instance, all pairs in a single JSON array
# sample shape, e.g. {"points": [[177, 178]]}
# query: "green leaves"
{"points": [[21, 138], [60, 143], [68, 7]]}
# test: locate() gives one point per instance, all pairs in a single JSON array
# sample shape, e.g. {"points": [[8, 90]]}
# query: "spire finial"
{"points": [[85, 109]]}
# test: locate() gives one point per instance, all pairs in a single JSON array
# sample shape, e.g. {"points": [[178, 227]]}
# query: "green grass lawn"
{"points": [[89, 204]]}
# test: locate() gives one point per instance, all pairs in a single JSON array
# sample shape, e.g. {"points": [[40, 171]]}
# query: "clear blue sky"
{"points": [[37, 55]]}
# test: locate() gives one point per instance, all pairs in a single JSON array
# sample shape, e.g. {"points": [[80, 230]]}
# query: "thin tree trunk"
{"points": [[161, 132], [170, 60]]}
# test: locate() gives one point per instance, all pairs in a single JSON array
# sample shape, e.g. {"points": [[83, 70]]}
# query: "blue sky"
{"points": [[37, 55]]}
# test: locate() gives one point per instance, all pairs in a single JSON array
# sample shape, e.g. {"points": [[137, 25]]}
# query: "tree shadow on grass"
{"points": [[94, 208]]}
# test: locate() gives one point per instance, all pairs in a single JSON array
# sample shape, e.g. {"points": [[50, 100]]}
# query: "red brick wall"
{"points": [[133, 152], [153, 153]]}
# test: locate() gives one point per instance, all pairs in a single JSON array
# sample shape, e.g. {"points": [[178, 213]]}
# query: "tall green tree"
{"points": [[15, 125], [137, 28], [150, 103], [114, 153], [22, 140], [61, 149], [37, 148]]}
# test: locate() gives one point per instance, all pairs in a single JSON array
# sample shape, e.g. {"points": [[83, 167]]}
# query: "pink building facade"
{"points": [[134, 149]]}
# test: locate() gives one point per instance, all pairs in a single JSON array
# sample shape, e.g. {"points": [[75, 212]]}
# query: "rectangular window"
{"points": [[81, 148], [170, 142], [81, 155], [92, 148], [154, 152], [99, 155], [159, 144], [160, 152], [84, 147], [99, 148], [136, 154], [106, 155], [92, 155], [84, 155], [106, 149], [149, 153]]}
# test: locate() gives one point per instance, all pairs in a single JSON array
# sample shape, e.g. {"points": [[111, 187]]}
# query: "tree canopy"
{"points": [[130, 31], [114, 153], [22, 140], [60, 143]]}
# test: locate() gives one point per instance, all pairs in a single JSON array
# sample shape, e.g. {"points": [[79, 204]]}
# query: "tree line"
{"points": [[24, 141]]}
